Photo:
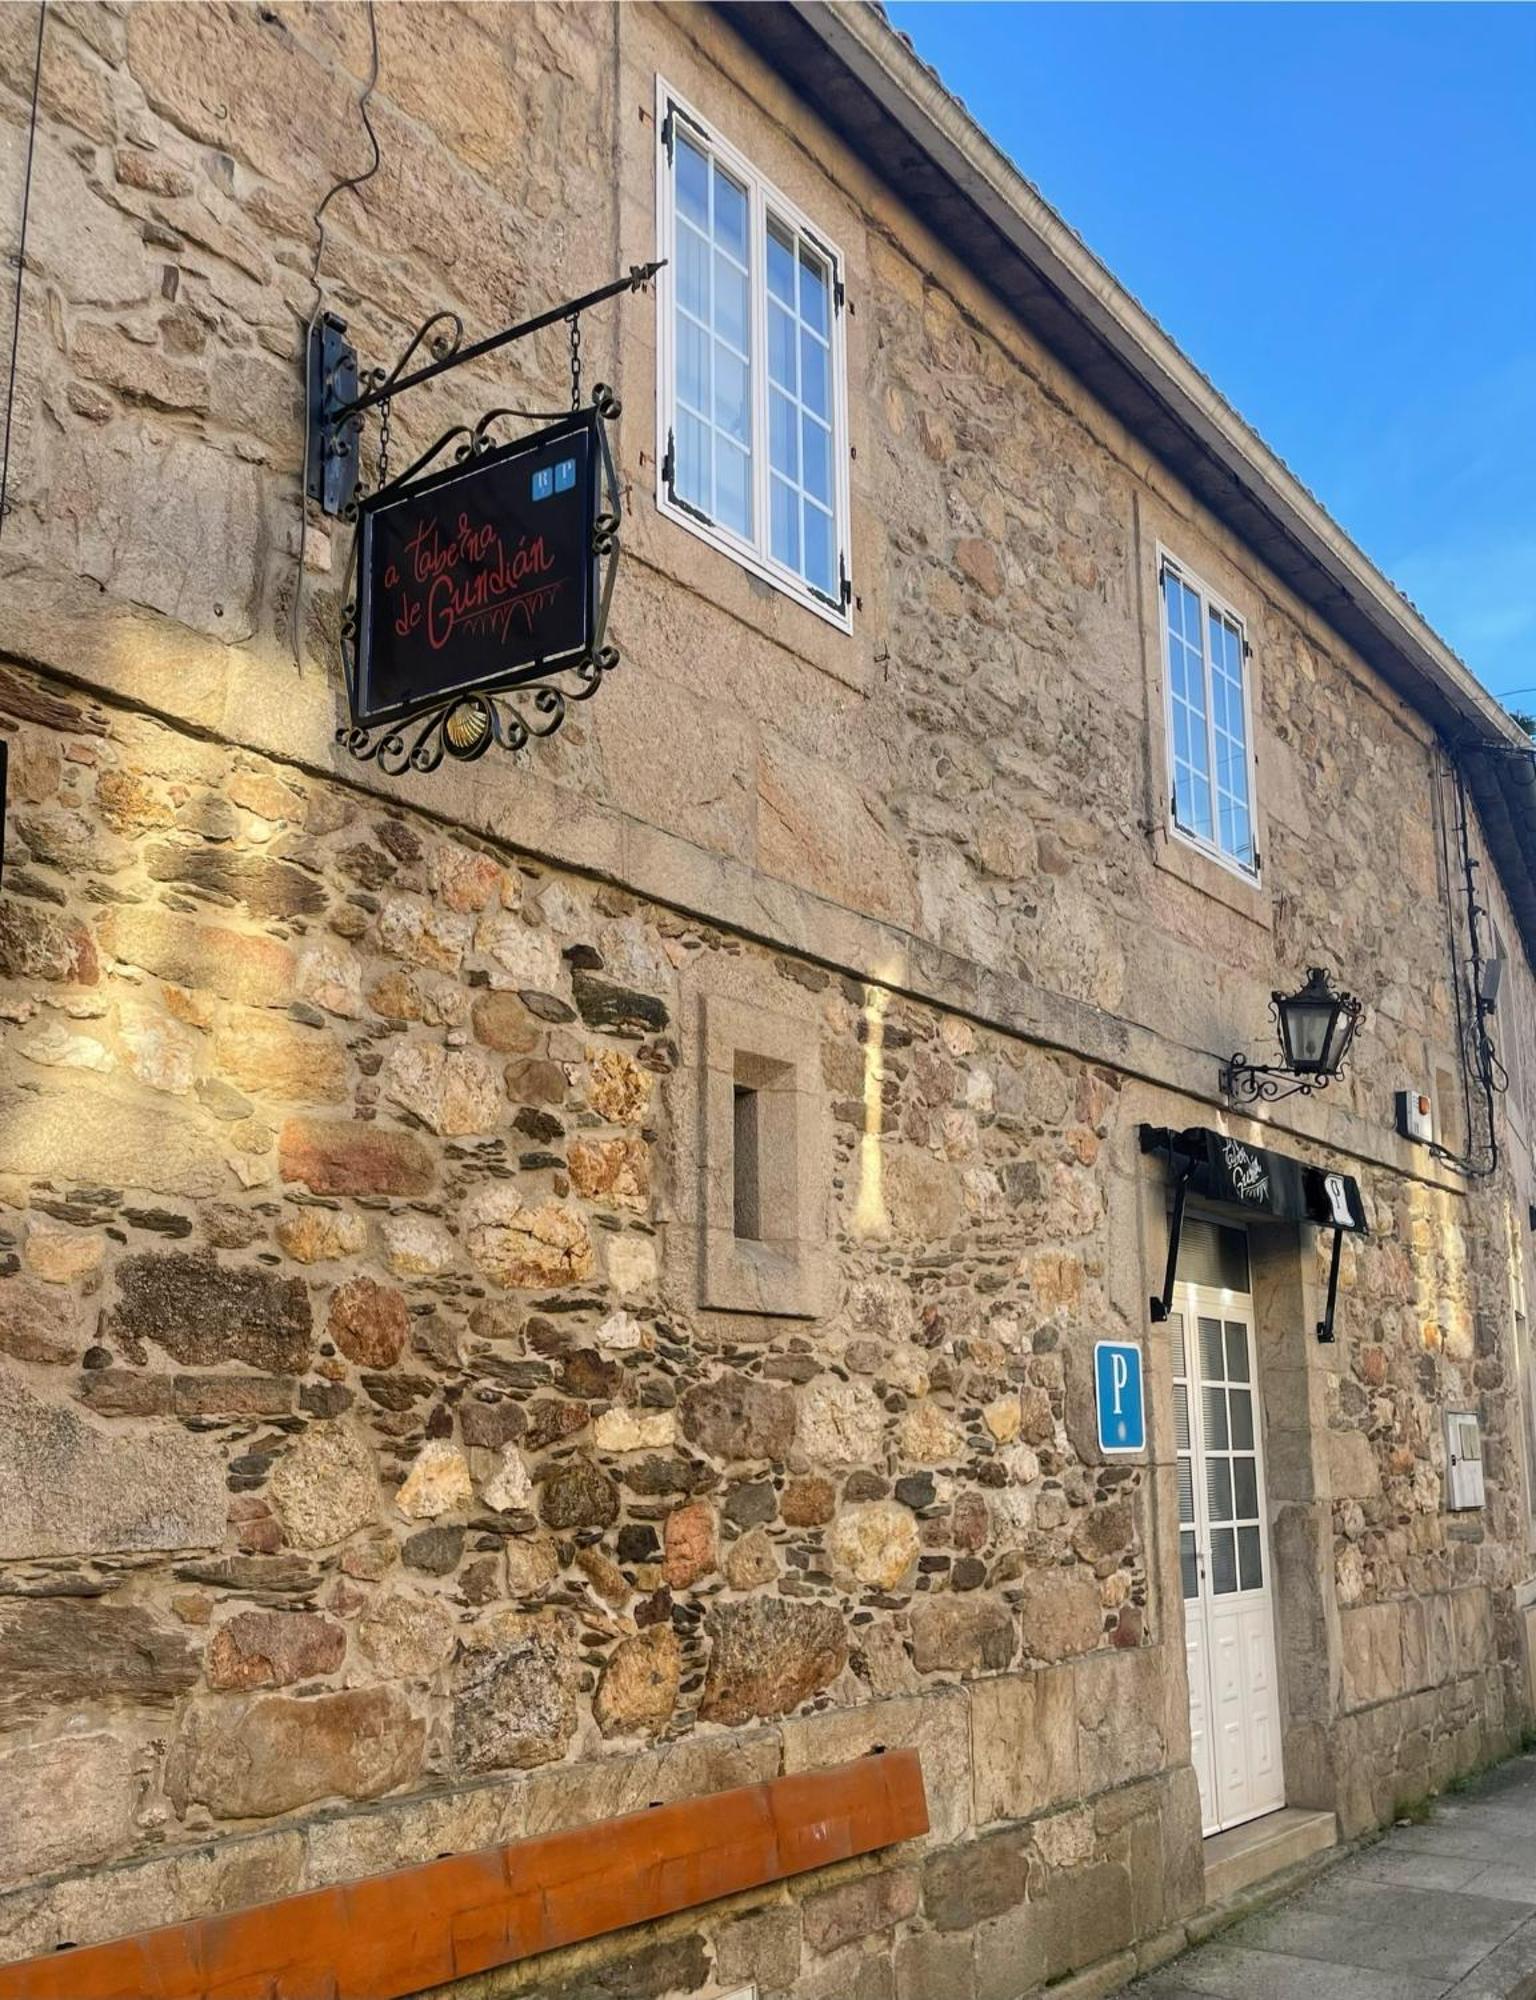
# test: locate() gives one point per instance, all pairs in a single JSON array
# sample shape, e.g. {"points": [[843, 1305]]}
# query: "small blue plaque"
{"points": [[1117, 1381], [543, 482]]}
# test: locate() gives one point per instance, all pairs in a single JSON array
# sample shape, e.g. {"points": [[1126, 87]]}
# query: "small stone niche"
{"points": [[763, 1165]]}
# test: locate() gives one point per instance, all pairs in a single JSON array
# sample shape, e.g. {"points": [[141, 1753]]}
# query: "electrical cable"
{"points": [[1477, 1056], [21, 264], [352, 181]]}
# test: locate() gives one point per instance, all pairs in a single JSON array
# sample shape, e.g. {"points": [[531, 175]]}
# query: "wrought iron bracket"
{"points": [[336, 397], [1161, 1305], [333, 442], [1243, 1082], [1325, 1324]]}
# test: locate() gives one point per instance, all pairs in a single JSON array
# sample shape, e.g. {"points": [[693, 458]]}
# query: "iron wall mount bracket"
{"points": [[333, 443], [335, 400]]}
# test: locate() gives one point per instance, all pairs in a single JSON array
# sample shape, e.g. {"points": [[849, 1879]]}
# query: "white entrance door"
{"points": [[1229, 1630]]}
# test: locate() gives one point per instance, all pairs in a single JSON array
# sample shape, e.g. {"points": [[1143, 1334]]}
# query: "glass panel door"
{"points": [[1224, 1557]]}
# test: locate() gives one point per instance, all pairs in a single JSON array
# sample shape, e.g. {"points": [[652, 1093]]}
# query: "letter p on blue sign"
{"points": [[1117, 1381]]}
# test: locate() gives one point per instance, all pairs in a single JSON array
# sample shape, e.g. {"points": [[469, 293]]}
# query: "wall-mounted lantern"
{"points": [[1317, 1026]]}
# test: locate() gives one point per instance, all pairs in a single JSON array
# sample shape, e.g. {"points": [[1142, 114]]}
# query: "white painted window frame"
{"points": [[754, 555], [1210, 599]]}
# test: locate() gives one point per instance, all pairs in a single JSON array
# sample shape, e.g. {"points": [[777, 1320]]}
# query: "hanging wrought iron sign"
{"points": [[479, 589], [482, 596]]}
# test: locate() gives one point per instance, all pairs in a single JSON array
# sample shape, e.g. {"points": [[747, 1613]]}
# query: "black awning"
{"points": [[1272, 1186], [1259, 1182]]}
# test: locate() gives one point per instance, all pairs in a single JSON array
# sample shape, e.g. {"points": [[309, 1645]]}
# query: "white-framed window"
{"points": [[751, 391], [1208, 718]]}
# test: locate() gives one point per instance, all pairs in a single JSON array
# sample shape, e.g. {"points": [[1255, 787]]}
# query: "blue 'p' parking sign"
{"points": [[1117, 1382]]}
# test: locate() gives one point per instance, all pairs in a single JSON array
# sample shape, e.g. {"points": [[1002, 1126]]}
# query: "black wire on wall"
{"points": [[1478, 1059], [21, 266]]}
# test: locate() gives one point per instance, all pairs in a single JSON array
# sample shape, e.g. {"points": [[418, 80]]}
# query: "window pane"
{"points": [[781, 348], [1229, 727], [1249, 1562], [692, 183], [730, 303], [1180, 1417], [813, 290], [1186, 1490], [813, 374], [733, 507], [816, 460], [1214, 1412], [732, 413], [693, 273], [691, 474], [1245, 1489], [1176, 1339], [783, 441], [1212, 1361], [1194, 804], [781, 264], [692, 365], [1242, 1420], [818, 549], [730, 216], [1237, 1351], [786, 524], [1218, 1489], [1189, 1568], [1223, 1562]]}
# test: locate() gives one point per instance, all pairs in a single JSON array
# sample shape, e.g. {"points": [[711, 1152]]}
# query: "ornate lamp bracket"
{"points": [[1243, 1082], [1315, 1028]]}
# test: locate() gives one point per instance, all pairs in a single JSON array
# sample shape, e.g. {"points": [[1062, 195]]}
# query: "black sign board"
{"points": [[1272, 1185], [478, 577]]}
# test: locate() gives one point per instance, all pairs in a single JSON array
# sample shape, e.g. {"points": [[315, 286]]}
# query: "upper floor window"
{"points": [[751, 406], [1210, 737]]}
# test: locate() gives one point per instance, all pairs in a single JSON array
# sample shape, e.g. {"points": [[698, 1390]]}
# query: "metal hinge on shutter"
{"points": [[845, 581], [667, 132], [669, 466]]}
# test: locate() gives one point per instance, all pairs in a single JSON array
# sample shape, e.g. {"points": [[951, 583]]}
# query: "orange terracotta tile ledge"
{"points": [[388, 1936]]}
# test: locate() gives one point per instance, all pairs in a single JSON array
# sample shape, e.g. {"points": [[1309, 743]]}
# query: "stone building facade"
{"points": [[407, 1449]]}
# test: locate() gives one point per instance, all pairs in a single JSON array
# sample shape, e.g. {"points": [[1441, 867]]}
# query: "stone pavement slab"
{"points": [[1443, 1910]]}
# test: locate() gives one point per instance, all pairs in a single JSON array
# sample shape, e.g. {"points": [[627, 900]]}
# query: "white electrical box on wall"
{"points": [[1415, 1116], [1463, 1461]]}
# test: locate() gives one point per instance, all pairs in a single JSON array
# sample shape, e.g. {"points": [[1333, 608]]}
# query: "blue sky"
{"points": [[1332, 209]]}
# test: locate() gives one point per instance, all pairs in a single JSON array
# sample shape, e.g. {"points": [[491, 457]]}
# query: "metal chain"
{"points": [[575, 326], [384, 442]]}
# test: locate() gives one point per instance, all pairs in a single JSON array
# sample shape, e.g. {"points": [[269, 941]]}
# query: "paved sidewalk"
{"points": [[1440, 1911]]}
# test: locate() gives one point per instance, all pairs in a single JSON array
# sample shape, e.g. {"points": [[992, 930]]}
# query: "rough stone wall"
{"points": [[368, 1442], [352, 1449], [1429, 1649]]}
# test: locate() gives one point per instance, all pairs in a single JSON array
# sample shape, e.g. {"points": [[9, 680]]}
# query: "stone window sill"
{"points": [[1203, 872]]}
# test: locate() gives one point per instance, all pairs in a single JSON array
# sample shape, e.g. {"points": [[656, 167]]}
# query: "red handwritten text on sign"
{"points": [[469, 579]]}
